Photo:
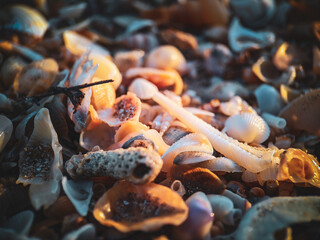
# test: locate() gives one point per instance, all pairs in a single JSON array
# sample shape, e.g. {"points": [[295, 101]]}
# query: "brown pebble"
{"points": [[256, 192]]}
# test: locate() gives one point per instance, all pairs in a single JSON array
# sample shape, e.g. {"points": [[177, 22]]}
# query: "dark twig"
{"points": [[73, 93]]}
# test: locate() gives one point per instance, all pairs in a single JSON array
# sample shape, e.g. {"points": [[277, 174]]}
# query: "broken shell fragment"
{"points": [[269, 99], [103, 95], [6, 128], [10, 68], [23, 19], [165, 57], [298, 166], [36, 77], [80, 194], [87, 232], [277, 214], [199, 221], [137, 165], [148, 207], [126, 108], [247, 127], [241, 38], [129, 59], [182, 40], [140, 141], [303, 112], [288, 94]]}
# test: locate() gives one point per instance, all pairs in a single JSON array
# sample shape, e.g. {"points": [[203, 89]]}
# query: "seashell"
{"points": [[199, 221], [19, 224], [25, 20], [234, 106], [223, 209], [145, 207], [145, 42], [10, 68], [162, 122], [126, 108], [18, 49], [254, 13], [103, 95], [268, 98], [200, 13], [82, 73], [161, 78], [249, 177], [238, 188], [174, 133], [140, 141], [241, 38], [166, 57], [267, 72], [316, 61], [6, 128], [284, 141], [274, 121], [40, 162], [238, 201], [191, 142], [263, 218], [78, 45], [128, 128], [179, 39], [178, 187], [6, 103], [79, 193], [129, 59], [87, 231], [197, 179], [288, 94], [147, 114], [247, 127], [72, 11], [256, 192], [137, 165], [306, 107], [298, 166], [37, 77]]}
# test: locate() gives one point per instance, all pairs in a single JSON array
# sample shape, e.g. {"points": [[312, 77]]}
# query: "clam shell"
{"points": [[174, 133], [247, 127], [171, 209], [241, 38], [23, 19], [269, 99], [191, 142], [140, 141], [307, 108], [166, 56], [6, 128]]}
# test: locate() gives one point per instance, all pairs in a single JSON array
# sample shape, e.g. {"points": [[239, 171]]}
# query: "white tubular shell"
{"points": [[178, 187], [247, 127], [274, 121]]}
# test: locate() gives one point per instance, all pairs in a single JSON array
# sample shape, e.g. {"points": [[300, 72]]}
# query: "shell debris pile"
{"points": [[169, 119]]}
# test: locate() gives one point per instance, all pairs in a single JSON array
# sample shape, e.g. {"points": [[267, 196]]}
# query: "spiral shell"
{"points": [[247, 127]]}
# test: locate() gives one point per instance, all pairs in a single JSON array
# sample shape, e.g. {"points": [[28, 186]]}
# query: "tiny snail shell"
{"points": [[247, 127]]}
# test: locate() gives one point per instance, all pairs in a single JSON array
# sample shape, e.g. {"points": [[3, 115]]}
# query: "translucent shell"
{"points": [[247, 127], [166, 57], [126, 108], [170, 207], [103, 95], [36, 77], [6, 128]]}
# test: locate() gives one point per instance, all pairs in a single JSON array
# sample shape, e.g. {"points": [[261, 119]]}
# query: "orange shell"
{"points": [[105, 206]]}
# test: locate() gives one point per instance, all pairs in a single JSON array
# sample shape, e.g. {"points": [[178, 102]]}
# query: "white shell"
{"points": [[274, 121], [6, 128], [166, 56], [79, 193], [247, 127], [241, 38], [87, 232], [234, 106], [269, 99], [143, 88], [191, 142], [178, 187]]}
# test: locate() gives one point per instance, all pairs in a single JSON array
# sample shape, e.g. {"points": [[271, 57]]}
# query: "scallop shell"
{"points": [[40, 162], [199, 221], [191, 142], [37, 77], [247, 127], [79, 193], [6, 128], [136, 164], [23, 19], [165, 57], [112, 210], [267, 72], [241, 38], [307, 108], [126, 108], [268, 98]]}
